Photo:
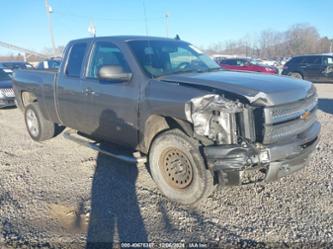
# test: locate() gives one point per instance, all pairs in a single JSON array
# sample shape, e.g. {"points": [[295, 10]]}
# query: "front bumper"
{"points": [[272, 161], [7, 102]]}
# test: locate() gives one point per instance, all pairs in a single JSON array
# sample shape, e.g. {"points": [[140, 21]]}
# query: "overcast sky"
{"points": [[24, 22]]}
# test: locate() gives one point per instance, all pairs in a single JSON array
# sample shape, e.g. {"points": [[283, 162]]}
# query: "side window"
{"points": [[317, 60], [296, 60], [230, 62], [75, 60], [105, 53], [328, 61], [312, 60], [241, 63]]}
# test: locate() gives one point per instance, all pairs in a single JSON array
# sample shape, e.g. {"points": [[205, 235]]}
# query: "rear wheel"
{"points": [[39, 128], [178, 168], [296, 75]]}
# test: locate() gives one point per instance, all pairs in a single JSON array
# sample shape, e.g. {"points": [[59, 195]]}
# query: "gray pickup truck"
{"points": [[164, 102]]}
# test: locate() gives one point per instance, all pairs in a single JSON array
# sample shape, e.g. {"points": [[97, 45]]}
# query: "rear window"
{"points": [[75, 60], [229, 62], [54, 64]]}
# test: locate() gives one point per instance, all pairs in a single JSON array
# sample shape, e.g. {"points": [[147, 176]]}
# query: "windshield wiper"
{"points": [[214, 69], [194, 71], [180, 72]]}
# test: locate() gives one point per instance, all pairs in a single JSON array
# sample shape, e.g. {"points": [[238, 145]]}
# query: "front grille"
{"points": [[287, 121], [7, 92], [282, 113]]}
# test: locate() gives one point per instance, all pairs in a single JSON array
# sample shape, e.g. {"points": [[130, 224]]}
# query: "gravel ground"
{"points": [[57, 194]]}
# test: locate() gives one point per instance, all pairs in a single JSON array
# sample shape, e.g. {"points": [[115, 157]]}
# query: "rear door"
{"points": [[312, 67], [71, 98], [112, 108]]}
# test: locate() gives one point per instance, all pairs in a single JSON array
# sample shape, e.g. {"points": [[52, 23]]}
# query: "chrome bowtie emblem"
{"points": [[305, 116]]}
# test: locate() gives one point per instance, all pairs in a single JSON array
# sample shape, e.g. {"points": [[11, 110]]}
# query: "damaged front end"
{"points": [[242, 147], [229, 125]]}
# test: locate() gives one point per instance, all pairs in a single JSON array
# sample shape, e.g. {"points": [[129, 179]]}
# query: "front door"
{"points": [[113, 106], [327, 74]]}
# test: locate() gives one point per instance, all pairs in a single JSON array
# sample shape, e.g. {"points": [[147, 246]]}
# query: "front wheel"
{"points": [[178, 168], [39, 128]]}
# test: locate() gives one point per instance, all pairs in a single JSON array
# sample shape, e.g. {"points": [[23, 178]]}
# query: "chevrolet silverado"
{"points": [[164, 102]]}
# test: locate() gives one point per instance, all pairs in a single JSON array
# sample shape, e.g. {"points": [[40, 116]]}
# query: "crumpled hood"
{"points": [[6, 84], [272, 89]]}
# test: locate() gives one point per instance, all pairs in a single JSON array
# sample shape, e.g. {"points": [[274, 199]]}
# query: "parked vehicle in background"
{"points": [[241, 64], [10, 66], [7, 97], [317, 67], [196, 125], [284, 60], [50, 64], [270, 63]]}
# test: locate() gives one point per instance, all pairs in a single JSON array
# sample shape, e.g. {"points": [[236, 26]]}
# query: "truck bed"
{"points": [[42, 84]]}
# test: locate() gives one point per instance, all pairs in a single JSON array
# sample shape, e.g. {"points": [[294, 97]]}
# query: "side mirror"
{"points": [[114, 73]]}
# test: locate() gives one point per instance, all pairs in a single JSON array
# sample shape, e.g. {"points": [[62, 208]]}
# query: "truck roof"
{"points": [[322, 54], [125, 38]]}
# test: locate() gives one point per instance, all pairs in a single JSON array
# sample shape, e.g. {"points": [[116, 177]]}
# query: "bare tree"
{"points": [[298, 39]]}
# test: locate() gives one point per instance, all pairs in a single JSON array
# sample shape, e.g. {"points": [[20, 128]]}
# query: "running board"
{"points": [[107, 149]]}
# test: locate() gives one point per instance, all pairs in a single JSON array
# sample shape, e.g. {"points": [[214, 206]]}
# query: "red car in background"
{"points": [[246, 65]]}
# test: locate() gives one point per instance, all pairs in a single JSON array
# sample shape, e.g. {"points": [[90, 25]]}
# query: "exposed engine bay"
{"points": [[235, 150]]}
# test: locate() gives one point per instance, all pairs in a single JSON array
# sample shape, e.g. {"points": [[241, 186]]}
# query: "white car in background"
{"points": [[265, 62], [7, 96]]}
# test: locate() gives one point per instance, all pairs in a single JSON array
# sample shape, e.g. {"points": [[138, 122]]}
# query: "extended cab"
{"points": [[195, 124]]}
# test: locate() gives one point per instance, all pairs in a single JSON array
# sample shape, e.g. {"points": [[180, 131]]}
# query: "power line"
{"points": [[72, 15], [24, 50]]}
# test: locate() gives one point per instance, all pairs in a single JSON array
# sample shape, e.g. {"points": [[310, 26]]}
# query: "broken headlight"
{"points": [[214, 116]]}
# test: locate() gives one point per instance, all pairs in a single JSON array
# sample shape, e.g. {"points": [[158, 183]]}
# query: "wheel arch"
{"points": [[156, 124], [297, 71], [28, 98]]}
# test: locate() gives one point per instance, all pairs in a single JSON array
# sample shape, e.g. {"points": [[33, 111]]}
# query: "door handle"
{"points": [[88, 91]]}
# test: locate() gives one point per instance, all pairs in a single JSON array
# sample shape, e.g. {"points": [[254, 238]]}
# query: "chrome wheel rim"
{"points": [[176, 168], [32, 123]]}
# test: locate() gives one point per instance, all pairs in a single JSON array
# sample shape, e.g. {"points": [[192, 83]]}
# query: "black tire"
{"points": [[189, 166], [296, 75], [42, 129]]}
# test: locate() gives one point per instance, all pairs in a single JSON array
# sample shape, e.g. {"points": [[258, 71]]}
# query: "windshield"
{"points": [[4, 75], [158, 58]]}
